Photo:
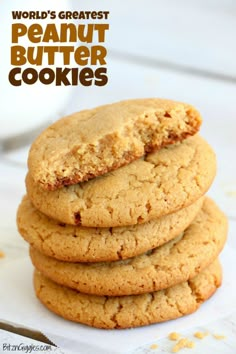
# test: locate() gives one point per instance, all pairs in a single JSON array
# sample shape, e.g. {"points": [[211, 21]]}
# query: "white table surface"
{"points": [[199, 35]]}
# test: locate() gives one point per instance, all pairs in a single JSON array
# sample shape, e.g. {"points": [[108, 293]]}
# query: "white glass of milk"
{"points": [[26, 108]]}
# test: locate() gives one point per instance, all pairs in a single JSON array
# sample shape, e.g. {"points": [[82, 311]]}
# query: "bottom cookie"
{"points": [[129, 311]]}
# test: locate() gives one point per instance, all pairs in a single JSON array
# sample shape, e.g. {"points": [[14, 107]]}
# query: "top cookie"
{"points": [[92, 142], [159, 184]]}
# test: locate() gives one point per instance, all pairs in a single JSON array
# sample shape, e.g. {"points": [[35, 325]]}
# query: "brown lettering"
{"points": [[68, 33], [35, 32], [37, 58], [74, 76], [101, 28], [18, 30], [30, 76], [101, 77], [51, 34], [98, 54], [86, 76], [51, 50], [43, 76], [18, 55], [81, 55], [84, 36], [12, 77], [66, 53], [61, 76]]}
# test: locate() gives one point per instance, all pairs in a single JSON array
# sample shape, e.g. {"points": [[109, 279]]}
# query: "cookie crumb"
{"points": [[174, 336], [182, 343], [231, 193], [218, 336], [200, 335], [2, 254], [154, 346]]}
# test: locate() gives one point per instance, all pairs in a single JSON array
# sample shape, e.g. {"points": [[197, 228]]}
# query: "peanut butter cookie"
{"points": [[92, 142], [129, 311], [174, 262], [86, 244], [158, 184]]}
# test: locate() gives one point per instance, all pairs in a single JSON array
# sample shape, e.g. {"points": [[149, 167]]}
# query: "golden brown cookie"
{"points": [[174, 262], [92, 142], [129, 311], [161, 183], [80, 244]]}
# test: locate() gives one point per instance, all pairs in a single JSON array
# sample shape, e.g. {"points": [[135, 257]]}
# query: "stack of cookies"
{"points": [[120, 231]]}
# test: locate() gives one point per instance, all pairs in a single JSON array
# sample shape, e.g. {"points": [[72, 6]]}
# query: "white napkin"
{"points": [[19, 305]]}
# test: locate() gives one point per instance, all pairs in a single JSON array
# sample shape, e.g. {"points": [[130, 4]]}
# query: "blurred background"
{"points": [[182, 50]]}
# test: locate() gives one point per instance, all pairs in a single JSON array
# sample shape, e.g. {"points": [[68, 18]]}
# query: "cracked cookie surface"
{"points": [[80, 244], [129, 311], [158, 184], [176, 261], [92, 142]]}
